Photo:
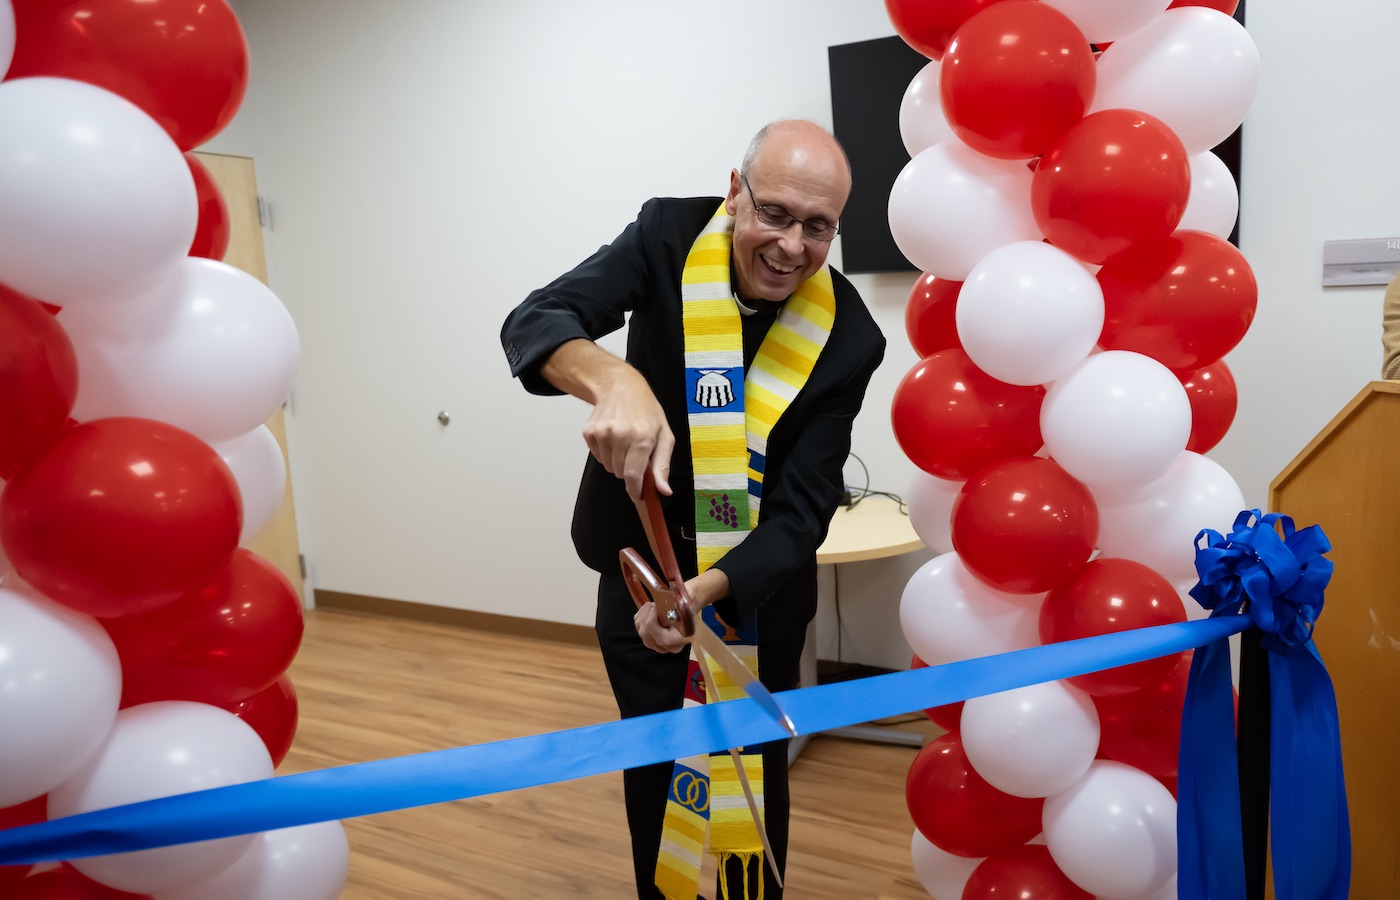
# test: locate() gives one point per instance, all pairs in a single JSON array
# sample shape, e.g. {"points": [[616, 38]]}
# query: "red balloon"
{"points": [[220, 644], [1024, 525], [949, 715], [1107, 596], [184, 62], [273, 713], [1116, 178], [1185, 299], [1015, 78], [1022, 873], [930, 316], [26, 813], [957, 810], [211, 235], [121, 516], [1213, 397], [1143, 729], [952, 419], [38, 380], [928, 26], [1228, 7], [67, 883]]}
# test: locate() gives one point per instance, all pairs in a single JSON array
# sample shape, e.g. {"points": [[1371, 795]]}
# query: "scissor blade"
{"points": [[738, 672]]}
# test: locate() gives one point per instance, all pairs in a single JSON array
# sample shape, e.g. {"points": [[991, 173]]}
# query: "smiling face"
{"points": [[800, 169]]}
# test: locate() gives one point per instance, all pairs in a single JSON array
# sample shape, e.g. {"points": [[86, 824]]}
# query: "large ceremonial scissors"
{"points": [[673, 606], [674, 609]]}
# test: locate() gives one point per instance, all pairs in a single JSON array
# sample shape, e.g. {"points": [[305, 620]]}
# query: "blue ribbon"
{"points": [[1277, 581], [446, 775]]}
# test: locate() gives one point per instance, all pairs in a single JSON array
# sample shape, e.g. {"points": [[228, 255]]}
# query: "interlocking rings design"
{"points": [[689, 790]]}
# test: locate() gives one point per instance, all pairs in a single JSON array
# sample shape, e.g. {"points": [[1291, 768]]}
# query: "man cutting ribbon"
{"points": [[713, 285]]}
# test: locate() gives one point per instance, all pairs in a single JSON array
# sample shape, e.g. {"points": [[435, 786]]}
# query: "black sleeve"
{"points": [[797, 507], [587, 302]]}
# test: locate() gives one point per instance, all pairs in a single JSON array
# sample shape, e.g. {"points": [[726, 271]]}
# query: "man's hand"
{"points": [[702, 590], [657, 635], [627, 431]]}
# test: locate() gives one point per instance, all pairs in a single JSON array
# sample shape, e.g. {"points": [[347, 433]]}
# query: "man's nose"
{"points": [[790, 239]]}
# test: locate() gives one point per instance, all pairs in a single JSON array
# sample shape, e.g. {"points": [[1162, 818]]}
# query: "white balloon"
{"points": [[1194, 68], [951, 206], [211, 351], [97, 203], [7, 35], [156, 750], [1103, 21], [1156, 524], [60, 684], [308, 862], [259, 469], [1033, 741], [931, 509], [921, 120], [1214, 204], [1029, 312], [948, 615], [1114, 832], [942, 874], [1118, 419]]}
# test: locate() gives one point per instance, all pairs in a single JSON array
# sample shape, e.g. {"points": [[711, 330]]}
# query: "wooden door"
{"points": [[235, 178]]}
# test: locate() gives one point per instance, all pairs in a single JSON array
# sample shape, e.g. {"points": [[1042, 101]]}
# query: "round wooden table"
{"points": [[873, 528]]}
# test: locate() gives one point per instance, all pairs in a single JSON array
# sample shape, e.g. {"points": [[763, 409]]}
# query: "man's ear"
{"points": [[736, 184]]}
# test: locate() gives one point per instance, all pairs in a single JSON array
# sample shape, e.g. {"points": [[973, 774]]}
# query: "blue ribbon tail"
{"points": [[1209, 826], [1310, 830]]}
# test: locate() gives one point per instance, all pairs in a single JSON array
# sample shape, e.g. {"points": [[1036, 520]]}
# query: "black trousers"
{"points": [[645, 682]]}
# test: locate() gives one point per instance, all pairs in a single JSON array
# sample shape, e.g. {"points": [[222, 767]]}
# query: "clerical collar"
{"points": [[758, 306], [750, 307]]}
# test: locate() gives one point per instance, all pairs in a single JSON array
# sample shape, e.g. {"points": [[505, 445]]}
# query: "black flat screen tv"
{"points": [[868, 80]]}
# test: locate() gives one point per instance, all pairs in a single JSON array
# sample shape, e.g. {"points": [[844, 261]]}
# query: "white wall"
{"points": [[430, 162], [1319, 164]]}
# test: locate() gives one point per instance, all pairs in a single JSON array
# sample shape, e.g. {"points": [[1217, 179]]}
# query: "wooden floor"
{"points": [[372, 687]]}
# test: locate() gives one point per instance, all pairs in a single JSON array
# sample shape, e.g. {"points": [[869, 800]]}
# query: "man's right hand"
{"points": [[627, 431]]}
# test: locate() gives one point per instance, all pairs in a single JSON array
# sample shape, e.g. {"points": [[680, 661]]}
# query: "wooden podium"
{"points": [[1348, 481]]}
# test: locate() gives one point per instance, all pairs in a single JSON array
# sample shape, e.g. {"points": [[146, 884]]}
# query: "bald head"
{"points": [[794, 179], [810, 141]]}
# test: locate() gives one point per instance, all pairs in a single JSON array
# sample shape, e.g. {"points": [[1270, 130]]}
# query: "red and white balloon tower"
{"points": [[143, 653], [1078, 296]]}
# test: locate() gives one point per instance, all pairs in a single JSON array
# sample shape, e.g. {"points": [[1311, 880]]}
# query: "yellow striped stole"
{"points": [[731, 417]]}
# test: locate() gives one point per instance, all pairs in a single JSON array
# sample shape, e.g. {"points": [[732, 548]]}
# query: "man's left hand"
{"points": [[657, 635]]}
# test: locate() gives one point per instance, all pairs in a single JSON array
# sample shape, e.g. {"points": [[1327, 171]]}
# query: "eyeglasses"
{"points": [[781, 219]]}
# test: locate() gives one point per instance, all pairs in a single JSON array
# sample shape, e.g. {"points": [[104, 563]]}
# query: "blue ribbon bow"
{"points": [[1278, 581]]}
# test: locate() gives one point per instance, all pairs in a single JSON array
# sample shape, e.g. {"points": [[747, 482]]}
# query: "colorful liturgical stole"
{"points": [[731, 416]]}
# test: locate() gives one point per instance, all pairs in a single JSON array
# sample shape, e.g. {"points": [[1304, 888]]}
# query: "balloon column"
{"points": [[1077, 301], [143, 653]]}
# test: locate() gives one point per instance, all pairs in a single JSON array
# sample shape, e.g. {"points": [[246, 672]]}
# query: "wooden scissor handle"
{"points": [[672, 606], [672, 602]]}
